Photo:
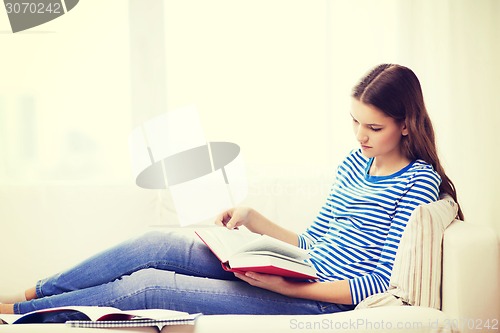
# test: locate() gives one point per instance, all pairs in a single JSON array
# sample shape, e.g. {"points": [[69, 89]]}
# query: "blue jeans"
{"points": [[167, 271]]}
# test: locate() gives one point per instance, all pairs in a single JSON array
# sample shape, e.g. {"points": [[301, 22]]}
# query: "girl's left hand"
{"points": [[270, 282]]}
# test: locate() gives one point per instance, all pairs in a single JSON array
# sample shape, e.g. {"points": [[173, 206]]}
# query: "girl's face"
{"points": [[378, 134]]}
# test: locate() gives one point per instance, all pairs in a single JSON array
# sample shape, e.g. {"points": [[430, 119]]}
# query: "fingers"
{"points": [[266, 281], [222, 219], [231, 224], [219, 220], [247, 278], [228, 219], [255, 277]]}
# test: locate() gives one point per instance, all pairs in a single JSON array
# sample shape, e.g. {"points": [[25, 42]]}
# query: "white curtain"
{"points": [[275, 76], [455, 47]]}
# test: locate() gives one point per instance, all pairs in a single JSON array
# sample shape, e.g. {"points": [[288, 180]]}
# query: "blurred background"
{"points": [[273, 76]]}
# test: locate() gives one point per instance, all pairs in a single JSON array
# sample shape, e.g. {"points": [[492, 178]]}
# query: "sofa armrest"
{"points": [[471, 275]]}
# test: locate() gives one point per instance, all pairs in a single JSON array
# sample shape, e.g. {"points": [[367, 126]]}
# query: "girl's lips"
{"points": [[365, 147]]}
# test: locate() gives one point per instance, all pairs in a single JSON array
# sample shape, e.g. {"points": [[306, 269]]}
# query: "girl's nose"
{"points": [[361, 136]]}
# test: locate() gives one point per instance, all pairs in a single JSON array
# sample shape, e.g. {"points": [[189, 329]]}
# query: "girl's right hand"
{"points": [[234, 217]]}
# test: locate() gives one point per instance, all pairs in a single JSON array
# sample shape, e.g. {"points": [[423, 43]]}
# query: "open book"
{"points": [[241, 251], [97, 316]]}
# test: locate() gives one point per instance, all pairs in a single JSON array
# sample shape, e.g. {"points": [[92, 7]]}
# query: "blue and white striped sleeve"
{"points": [[423, 188]]}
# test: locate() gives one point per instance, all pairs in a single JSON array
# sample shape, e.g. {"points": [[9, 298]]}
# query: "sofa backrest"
{"points": [[471, 275]]}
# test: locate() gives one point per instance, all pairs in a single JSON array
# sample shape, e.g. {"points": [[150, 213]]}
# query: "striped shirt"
{"points": [[356, 234]]}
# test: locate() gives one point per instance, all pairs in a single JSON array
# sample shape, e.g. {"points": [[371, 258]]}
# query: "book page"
{"points": [[39, 316], [9, 318], [266, 243], [276, 255], [94, 313], [271, 264], [224, 242], [156, 314]]}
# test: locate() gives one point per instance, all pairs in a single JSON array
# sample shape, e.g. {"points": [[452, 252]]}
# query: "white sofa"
{"points": [[470, 297], [470, 300]]}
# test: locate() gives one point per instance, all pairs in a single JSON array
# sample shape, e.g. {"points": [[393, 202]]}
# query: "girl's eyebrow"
{"points": [[376, 125]]}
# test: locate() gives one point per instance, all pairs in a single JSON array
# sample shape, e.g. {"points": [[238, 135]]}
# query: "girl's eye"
{"points": [[375, 129]]}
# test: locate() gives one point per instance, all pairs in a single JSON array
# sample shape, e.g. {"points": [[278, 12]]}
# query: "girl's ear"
{"points": [[404, 129]]}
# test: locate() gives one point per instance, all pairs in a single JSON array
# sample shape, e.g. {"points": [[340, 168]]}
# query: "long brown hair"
{"points": [[396, 91]]}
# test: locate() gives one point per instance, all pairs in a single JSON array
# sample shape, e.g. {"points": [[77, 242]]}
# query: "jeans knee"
{"points": [[146, 279], [160, 242], [157, 239], [162, 236], [153, 237]]}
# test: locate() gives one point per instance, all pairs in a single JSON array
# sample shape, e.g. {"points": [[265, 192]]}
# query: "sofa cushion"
{"points": [[383, 319], [416, 275]]}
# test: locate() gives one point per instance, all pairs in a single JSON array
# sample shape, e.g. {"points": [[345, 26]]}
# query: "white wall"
{"points": [[273, 76]]}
